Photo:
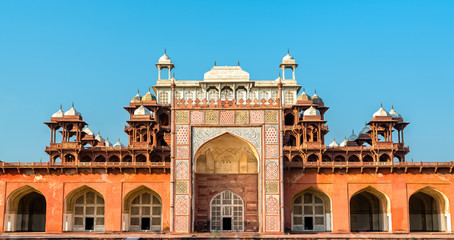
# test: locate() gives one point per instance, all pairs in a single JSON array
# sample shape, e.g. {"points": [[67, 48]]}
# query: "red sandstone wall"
{"points": [[341, 186], [208, 185], [113, 187]]}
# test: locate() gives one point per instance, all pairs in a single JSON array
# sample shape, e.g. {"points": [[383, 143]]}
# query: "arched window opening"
{"points": [[368, 158], [297, 158], [308, 213], [427, 209], [289, 119], [368, 212], [353, 158], [286, 159], [145, 213], [339, 158], [114, 158], [56, 158], [385, 158], [397, 158], [163, 119], [26, 211], [127, 158], [89, 212], [100, 158], [241, 94], [141, 158], [85, 158], [167, 159], [326, 158], [70, 158], [312, 158], [213, 94], [227, 212], [226, 93]]}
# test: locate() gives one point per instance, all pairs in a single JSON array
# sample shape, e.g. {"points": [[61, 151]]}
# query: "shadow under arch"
{"points": [[214, 156], [142, 210], [25, 210], [84, 210], [311, 211], [370, 211], [428, 210]]}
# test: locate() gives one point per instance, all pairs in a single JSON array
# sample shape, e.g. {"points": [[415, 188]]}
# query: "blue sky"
{"points": [[357, 54]]}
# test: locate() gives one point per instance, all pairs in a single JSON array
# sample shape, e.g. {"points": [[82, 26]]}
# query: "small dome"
{"points": [[141, 111], [99, 138], [352, 137], [394, 114], [72, 112], [137, 98], [88, 131], [59, 113], [311, 112], [118, 144], [343, 143], [303, 96], [333, 144], [381, 113], [316, 98], [164, 58], [148, 96], [365, 130], [107, 143], [288, 58]]}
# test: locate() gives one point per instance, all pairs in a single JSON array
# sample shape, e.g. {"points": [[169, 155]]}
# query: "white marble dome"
{"points": [[72, 112], [381, 113], [164, 59], [333, 144], [59, 113], [141, 111], [311, 112], [394, 114]]}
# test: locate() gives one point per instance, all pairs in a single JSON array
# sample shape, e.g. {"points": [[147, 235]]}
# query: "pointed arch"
{"points": [[370, 211], [312, 158], [25, 210], [226, 153], [84, 210], [142, 210], [311, 211], [227, 212], [428, 210]]}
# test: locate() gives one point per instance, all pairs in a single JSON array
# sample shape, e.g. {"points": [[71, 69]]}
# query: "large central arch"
{"points": [[226, 164]]}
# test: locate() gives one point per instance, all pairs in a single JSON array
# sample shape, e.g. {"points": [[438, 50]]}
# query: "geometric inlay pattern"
{"points": [[182, 135], [181, 205], [241, 117], [181, 224], [272, 151], [272, 223], [272, 170], [211, 117], [271, 116], [182, 117], [181, 170], [182, 187], [203, 134], [271, 135], [227, 117], [272, 186], [182, 152], [272, 205], [257, 117], [197, 117]]}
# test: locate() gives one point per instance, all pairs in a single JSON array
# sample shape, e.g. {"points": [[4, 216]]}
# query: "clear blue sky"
{"points": [[357, 54]]}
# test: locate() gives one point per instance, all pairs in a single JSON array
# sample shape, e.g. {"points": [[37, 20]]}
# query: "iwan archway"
{"points": [[428, 210], [226, 185]]}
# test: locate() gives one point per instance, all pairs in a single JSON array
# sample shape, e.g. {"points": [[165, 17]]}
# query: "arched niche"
{"points": [[428, 211], [226, 153], [25, 211], [370, 211], [311, 211]]}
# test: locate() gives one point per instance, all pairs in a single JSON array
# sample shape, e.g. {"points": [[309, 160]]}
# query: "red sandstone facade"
{"points": [[226, 154]]}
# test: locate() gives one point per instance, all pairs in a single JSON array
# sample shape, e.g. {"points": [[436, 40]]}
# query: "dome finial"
{"points": [[381, 105], [392, 107], [214, 62], [138, 91], [165, 51], [238, 63], [288, 50], [73, 104], [61, 106]]}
